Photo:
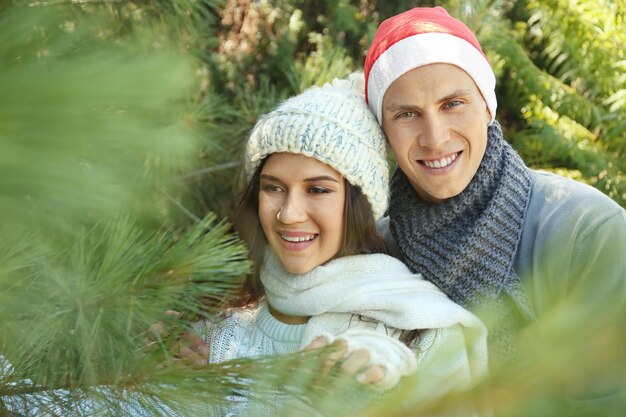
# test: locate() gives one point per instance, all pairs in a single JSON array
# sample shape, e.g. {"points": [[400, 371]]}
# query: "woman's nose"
{"points": [[293, 210]]}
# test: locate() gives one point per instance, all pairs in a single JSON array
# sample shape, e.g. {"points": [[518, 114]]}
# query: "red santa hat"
{"points": [[419, 37]]}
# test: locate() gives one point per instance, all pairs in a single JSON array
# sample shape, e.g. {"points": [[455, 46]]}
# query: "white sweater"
{"points": [[252, 332], [449, 355]]}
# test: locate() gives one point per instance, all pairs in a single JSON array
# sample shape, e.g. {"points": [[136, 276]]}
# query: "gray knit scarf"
{"points": [[467, 244]]}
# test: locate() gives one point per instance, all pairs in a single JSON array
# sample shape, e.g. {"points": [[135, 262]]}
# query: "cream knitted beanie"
{"points": [[334, 125]]}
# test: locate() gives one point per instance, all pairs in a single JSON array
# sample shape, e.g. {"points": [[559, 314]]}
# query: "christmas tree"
{"points": [[122, 124]]}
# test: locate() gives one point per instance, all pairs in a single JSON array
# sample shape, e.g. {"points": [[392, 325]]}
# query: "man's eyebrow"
{"points": [[396, 107], [456, 93]]}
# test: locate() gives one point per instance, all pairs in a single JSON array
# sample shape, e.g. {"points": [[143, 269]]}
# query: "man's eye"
{"points": [[405, 115], [453, 103]]}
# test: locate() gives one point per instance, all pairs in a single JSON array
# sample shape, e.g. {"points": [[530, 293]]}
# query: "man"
{"points": [[465, 211]]}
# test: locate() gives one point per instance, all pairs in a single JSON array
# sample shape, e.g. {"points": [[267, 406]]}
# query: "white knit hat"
{"points": [[422, 36], [332, 124]]}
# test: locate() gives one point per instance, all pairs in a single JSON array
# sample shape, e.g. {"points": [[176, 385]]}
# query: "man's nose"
{"points": [[433, 132]]}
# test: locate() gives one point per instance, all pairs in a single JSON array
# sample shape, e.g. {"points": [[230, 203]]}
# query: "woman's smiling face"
{"points": [[301, 210]]}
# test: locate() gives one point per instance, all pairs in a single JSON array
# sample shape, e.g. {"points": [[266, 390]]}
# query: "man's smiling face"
{"points": [[436, 121]]}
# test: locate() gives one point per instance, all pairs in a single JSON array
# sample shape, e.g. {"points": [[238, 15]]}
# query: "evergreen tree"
{"points": [[561, 85], [122, 124], [91, 132]]}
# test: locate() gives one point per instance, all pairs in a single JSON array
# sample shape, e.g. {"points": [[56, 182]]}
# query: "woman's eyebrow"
{"points": [[269, 177], [312, 179], [321, 178]]}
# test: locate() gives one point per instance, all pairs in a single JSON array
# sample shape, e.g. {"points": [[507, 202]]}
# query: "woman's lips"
{"points": [[297, 241]]}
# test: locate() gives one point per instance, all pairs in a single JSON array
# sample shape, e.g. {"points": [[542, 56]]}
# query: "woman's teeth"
{"points": [[298, 238]]}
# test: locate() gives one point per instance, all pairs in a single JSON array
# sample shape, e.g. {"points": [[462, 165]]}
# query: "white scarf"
{"points": [[378, 287]]}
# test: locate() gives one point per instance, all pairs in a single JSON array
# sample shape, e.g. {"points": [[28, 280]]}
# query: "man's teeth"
{"points": [[298, 238], [441, 163]]}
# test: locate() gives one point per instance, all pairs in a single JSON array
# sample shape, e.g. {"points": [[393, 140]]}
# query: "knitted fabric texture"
{"points": [[423, 36], [467, 244], [332, 124], [377, 287]]}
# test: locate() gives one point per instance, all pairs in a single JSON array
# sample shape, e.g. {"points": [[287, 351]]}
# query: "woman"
{"points": [[317, 182]]}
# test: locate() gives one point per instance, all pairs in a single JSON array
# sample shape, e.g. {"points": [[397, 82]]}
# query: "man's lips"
{"points": [[440, 162]]}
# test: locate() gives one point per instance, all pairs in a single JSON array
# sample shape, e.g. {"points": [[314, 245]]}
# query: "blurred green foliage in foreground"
{"points": [[122, 124]]}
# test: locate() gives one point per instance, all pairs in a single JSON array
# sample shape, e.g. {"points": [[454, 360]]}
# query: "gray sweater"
{"points": [[572, 248], [573, 240]]}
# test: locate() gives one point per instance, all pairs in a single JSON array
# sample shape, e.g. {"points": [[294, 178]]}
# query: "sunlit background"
{"points": [[122, 125]]}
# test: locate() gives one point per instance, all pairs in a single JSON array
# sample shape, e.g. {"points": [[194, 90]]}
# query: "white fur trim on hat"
{"points": [[430, 48]]}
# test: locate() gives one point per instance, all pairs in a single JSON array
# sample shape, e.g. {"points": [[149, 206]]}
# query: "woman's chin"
{"points": [[298, 269]]}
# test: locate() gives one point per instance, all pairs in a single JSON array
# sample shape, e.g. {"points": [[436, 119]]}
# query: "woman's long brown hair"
{"points": [[359, 237]]}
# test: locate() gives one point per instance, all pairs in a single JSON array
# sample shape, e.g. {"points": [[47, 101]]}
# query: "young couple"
{"points": [[473, 225]]}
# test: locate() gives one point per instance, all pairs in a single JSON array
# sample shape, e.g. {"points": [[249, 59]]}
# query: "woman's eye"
{"points": [[272, 188], [318, 190]]}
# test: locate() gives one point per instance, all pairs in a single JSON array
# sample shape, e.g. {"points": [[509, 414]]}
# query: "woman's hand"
{"points": [[189, 348], [353, 364]]}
